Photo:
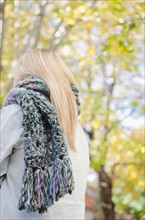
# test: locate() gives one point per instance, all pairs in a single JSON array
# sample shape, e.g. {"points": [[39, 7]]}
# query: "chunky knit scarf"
{"points": [[48, 172]]}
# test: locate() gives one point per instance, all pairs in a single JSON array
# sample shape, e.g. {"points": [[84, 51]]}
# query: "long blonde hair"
{"points": [[49, 66]]}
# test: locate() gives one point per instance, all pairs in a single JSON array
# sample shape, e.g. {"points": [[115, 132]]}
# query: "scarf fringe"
{"points": [[46, 185]]}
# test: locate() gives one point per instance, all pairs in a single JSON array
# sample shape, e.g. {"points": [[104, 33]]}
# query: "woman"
{"points": [[44, 151]]}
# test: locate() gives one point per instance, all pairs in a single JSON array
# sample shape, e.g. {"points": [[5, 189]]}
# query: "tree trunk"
{"points": [[105, 184], [2, 11]]}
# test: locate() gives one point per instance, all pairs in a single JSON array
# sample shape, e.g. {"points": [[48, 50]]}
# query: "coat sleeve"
{"points": [[10, 132]]}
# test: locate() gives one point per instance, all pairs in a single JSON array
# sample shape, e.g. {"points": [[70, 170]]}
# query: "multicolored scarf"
{"points": [[48, 172]]}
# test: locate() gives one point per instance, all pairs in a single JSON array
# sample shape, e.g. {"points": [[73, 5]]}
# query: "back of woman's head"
{"points": [[49, 66]]}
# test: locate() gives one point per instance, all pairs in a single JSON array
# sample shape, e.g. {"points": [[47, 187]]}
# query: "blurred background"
{"points": [[102, 43]]}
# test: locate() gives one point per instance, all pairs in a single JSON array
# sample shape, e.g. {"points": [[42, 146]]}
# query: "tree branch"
{"points": [[39, 24], [51, 41], [53, 46], [68, 28]]}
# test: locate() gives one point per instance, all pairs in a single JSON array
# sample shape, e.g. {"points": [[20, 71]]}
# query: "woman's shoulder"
{"points": [[81, 137], [11, 108], [81, 130], [11, 113]]}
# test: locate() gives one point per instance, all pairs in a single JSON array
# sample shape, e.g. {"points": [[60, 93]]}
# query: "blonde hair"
{"points": [[49, 66]]}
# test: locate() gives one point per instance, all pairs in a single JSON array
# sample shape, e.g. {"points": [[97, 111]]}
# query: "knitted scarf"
{"points": [[48, 172]]}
